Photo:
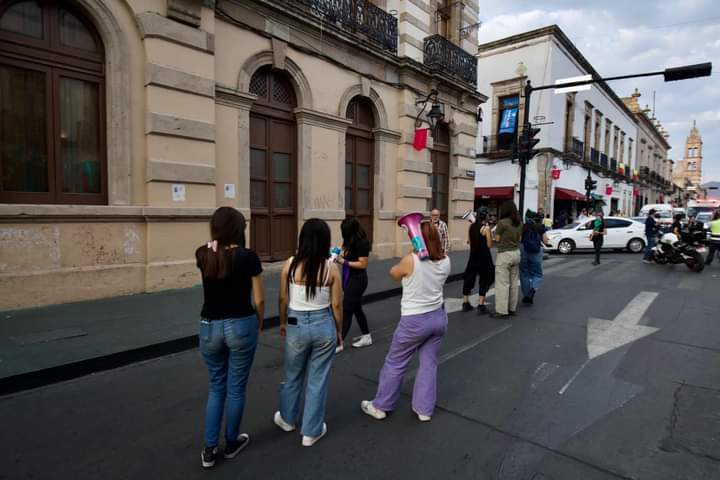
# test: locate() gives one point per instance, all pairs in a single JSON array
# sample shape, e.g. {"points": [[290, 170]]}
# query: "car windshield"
{"points": [[694, 211], [703, 217], [570, 226]]}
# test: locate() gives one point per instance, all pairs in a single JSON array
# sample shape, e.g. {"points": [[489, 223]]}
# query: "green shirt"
{"points": [[509, 235]]}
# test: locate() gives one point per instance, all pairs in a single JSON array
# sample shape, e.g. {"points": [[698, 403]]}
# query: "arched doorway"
{"points": [[440, 158], [273, 166], [360, 163], [52, 105]]}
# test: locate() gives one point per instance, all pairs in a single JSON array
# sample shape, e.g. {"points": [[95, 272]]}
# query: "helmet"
{"points": [[669, 239]]}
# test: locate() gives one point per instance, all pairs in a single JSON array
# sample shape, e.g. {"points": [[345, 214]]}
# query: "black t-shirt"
{"points": [[361, 248], [230, 297]]}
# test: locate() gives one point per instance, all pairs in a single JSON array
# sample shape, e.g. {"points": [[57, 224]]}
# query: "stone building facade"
{"points": [[130, 121], [688, 172], [654, 166]]}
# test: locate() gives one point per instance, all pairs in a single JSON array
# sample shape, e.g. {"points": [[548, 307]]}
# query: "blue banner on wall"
{"points": [[508, 121]]}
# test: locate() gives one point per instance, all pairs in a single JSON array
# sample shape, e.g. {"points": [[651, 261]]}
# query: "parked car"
{"points": [[622, 233], [705, 218]]}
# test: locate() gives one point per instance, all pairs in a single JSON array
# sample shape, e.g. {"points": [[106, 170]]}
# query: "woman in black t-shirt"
{"points": [[356, 250], [229, 327]]}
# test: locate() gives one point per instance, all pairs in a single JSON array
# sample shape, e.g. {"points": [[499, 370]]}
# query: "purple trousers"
{"points": [[416, 333]]}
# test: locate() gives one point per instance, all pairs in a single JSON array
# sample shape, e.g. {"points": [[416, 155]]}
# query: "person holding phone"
{"points": [[311, 318], [598, 234], [229, 327]]}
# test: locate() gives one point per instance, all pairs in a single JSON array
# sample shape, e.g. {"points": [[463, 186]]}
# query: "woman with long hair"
{"points": [[229, 327], [480, 264], [310, 295], [354, 256], [423, 323], [507, 264]]}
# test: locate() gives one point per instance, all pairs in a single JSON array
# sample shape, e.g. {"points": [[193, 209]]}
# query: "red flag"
{"points": [[420, 141]]}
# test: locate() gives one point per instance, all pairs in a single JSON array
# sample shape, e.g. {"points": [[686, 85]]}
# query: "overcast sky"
{"points": [[633, 36]]}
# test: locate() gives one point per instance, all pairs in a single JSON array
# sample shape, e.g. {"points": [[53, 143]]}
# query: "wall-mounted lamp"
{"points": [[435, 115]]}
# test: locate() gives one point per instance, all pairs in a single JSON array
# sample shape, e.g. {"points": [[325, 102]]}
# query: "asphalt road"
{"points": [[517, 399]]}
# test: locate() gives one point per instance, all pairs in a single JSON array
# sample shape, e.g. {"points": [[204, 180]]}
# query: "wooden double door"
{"points": [[273, 188], [360, 164]]}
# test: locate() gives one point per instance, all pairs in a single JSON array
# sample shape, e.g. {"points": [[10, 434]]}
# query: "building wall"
{"points": [[178, 114]]}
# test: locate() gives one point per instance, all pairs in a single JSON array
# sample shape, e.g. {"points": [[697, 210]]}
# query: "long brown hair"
{"points": [[432, 241], [227, 228], [509, 210]]}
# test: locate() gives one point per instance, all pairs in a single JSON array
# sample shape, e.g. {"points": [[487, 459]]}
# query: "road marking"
{"points": [[542, 373], [606, 335], [450, 355], [580, 269], [572, 379], [563, 265]]}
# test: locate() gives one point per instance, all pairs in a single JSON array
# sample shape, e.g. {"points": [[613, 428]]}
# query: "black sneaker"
{"points": [[499, 316], [482, 309], [531, 297], [467, 307], [233, 448], [526, 300], [208, 457]]}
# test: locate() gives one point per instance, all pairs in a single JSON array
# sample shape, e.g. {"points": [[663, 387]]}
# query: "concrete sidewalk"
{"points": [[49, 344]]}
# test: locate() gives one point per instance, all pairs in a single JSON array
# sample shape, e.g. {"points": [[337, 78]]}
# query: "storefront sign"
{"points": [[608, 190], [555, 173], [508, 121]]}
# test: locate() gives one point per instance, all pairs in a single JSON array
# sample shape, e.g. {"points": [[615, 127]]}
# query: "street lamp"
{"points": [[435, 114], [669, 75]]}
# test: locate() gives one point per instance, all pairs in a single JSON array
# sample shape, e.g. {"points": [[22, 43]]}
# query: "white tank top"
{"points": [[423, 290], [298, 297]]}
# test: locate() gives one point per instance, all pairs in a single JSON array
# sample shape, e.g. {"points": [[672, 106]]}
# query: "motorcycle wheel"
{"points": [[696, 263], [661, 260]]}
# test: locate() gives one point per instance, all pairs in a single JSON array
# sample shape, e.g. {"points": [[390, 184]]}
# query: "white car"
{"points": [[621, 233]]}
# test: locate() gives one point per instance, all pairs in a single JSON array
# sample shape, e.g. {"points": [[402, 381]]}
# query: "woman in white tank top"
{"points": [[310, 321], [422, 326]]}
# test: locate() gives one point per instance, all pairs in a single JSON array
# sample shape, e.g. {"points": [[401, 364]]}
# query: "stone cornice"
{"points": [[321, 119], [11, 213], [387, 135], [233, 98]]}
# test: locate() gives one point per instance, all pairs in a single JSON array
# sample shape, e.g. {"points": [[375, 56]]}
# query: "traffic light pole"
{"points": [[522, 157]]}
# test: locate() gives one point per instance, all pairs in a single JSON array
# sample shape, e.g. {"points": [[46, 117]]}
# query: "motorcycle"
{"points": [[672, 250]]}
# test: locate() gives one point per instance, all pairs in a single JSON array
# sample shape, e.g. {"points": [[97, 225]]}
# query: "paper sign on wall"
{"points": [[178, 192], [229, 190]]}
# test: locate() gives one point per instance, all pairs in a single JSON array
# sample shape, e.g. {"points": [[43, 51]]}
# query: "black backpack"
{"points": [[531, 239]]}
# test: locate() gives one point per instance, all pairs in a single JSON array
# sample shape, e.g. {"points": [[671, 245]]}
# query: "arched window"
{"points": [[52, 105]]}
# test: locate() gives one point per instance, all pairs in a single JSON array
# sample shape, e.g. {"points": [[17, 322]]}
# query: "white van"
{"points": [[664, 212]]}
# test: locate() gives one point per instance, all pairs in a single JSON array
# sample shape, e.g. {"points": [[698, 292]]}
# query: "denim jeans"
{"points": [[651, 242], [531, 271], [309, 352], [228, 348]]}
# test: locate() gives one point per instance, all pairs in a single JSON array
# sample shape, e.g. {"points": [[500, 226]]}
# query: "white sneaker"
{"points": [[310, 441], [282, 423], [363, 341], [339, 348], [422, 418], [367, 407]]}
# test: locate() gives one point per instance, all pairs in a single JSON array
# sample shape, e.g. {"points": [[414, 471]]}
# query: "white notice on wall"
{"points": [[178, 192], [229, 190]]}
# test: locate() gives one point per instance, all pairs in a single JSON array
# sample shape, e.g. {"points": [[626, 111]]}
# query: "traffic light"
{"points": [[590, 185], [528, 141]]}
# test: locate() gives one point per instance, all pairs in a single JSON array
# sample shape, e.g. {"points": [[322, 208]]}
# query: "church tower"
{"points": [[688, 172]]}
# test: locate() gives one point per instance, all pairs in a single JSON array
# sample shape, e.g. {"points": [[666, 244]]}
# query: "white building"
{"points": [[585, 131]]}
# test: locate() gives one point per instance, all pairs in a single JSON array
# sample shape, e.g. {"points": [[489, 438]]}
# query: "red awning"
{"points": [[568, 194], [497, 193]]}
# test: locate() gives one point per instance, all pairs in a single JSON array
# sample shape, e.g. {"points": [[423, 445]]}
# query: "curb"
{"points": [[60, 373]]}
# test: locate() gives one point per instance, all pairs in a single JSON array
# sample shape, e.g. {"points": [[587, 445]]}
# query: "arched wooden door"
{"points": [[360, 163], [273, 166], [440, 158]]}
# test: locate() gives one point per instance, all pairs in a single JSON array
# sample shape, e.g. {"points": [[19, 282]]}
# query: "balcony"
{"points": [[603, 160], [594, 157], [440, 54], [359, 17], [613, 165], [499, 146]]}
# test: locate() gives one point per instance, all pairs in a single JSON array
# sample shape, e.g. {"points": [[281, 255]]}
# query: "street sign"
{"points": [[577, 88]]}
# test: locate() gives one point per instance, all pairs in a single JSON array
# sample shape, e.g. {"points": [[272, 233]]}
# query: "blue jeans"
{"points": [[651, 242], [309, 351], [228, 348], [531, 271]]}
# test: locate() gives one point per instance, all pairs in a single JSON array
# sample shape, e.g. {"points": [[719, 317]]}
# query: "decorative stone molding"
{"points": [[300, 83], [176, 80], [379, 111], [279, 49], [388, 136], [410, 40], [99, 214], [415, 166], [414, 191], [154, 25], [233, 98], [414, 21], [185, 11], [164, 171], [386, 215], [463, 195], [422, 5], [179, 127], [320, 119]]}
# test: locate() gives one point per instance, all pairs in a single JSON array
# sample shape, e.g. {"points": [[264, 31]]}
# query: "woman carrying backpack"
{"points": [[531, 256]]}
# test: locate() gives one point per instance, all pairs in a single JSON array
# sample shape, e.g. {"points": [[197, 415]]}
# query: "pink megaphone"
{"points": [[411, 223]]}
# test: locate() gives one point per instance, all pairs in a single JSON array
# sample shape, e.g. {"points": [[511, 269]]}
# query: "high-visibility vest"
{"points": [[715, 229]]}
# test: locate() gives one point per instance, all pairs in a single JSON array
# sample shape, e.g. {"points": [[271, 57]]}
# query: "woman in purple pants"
{"points": [[422, 326]]}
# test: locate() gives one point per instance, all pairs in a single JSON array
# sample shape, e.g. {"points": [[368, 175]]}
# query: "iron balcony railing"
{"points": [[358, 17], [603, 160], [500, 144], [440, 54], [575, 147]]}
